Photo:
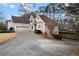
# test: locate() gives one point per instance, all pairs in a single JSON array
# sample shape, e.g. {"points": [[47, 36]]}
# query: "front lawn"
{"points": [[6, 36]]}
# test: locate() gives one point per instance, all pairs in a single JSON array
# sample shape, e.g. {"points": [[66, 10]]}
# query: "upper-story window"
{"points": [[37, 17], [31, 21], [32, 27], [39, 26]]}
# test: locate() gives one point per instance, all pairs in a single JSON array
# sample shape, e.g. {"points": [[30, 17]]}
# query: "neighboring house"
{"points": [[8, 24], [43, 23]]}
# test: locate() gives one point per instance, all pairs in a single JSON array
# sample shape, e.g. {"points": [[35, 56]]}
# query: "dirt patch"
{"points": [[6, 36], [74, 52]]}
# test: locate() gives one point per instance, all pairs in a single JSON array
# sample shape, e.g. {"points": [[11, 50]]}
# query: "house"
{"points": [[30, 23], [43, 23], [20, 23]]}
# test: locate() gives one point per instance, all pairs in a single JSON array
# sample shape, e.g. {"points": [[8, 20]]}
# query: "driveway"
{"points": [[30, 44]]}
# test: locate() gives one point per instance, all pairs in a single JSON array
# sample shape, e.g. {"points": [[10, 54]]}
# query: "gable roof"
{"points": [[48, 21], [34, 15], [21, 19]]}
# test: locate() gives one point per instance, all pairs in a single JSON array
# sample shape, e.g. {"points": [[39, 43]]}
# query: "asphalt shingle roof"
{"points": [[21, 19], [48, 21]]}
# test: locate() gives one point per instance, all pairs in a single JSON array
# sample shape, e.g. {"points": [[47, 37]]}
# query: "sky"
{"points": [[11, 9]]}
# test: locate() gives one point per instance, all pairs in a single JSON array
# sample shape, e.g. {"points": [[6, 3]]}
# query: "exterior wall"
{"points": [[39, 26], [32, 27], [55, 30], [32, 23], [10, 24], [32, 19], [21, 27], [41, 23], [48, 31]]}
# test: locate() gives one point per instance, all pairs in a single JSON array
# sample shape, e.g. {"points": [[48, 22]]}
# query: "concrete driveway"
{"points": [[30, 44]]}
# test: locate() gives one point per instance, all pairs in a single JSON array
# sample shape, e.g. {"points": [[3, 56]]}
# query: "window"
{"points": [[37, 17], [39, 26], [22, 26], [31, 21], [18, 26], [32, 27], [25, 26]]}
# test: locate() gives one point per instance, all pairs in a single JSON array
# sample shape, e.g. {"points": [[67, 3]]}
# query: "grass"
{"points": [[6, 36]]}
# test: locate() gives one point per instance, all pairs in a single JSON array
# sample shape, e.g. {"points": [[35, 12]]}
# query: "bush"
{"points": [[45, 34], [7, 31], [59, 37], [11, 29], [37, 31], [2, 31], [77, 31]]}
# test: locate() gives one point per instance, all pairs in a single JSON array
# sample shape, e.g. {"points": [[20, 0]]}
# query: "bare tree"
{"points": [[2, 24], [73, 11], [25, 8]]}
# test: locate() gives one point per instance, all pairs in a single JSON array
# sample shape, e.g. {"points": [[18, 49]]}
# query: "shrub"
{"points": [[59, 37], [7, 31], [11, 29], [37, 31], [77, 31], [2, 31], [45, 34]]}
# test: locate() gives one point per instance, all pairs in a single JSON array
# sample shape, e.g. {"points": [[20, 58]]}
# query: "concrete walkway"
{"points": [[30, 44]]}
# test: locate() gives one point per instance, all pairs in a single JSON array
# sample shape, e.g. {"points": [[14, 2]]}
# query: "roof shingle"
{"points": [[21, 19], [48, 21]]}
